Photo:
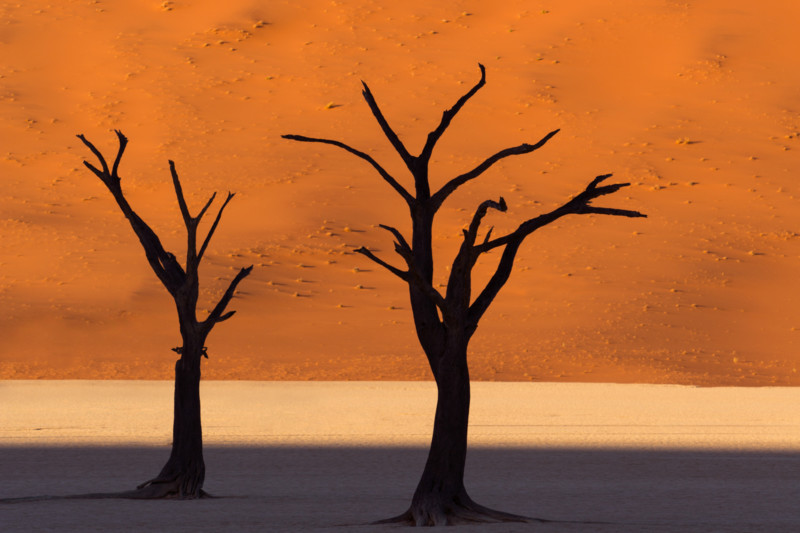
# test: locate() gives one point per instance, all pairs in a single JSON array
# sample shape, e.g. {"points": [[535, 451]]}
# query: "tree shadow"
{"points": [[341, 488]]}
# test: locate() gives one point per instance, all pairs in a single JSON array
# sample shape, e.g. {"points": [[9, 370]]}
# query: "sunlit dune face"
{"points": [[693, 103]]}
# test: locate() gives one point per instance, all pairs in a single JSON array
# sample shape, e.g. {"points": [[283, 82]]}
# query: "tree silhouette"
{"points": [[445, 323], [184, 472]]}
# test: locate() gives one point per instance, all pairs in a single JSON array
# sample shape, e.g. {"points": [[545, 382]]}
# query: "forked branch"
{"points": [[110, 178], [471, 234], [123, 142], [410, 276], [401, 245], [193, 257], [580, 204], [163, 263]]}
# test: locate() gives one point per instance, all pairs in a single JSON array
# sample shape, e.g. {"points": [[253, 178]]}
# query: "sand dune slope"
{"points": [[695, 103]]}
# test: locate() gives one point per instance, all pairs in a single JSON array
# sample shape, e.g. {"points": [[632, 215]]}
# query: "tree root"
{"points": [[174, 487], [462, 510], [434, 512]]}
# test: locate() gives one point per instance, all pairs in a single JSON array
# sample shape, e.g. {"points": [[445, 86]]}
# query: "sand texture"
{"points": [[327, 456], [695, 103]]}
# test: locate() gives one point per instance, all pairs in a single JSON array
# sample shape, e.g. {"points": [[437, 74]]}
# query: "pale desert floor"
{"points": [[289, 456]]}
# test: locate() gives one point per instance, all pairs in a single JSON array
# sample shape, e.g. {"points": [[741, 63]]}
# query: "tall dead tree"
{"points": [[184, 472], [445, 323]]}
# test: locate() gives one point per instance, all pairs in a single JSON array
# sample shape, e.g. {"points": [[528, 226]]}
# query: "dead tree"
{"points": [[446, 322], [184, 472]]}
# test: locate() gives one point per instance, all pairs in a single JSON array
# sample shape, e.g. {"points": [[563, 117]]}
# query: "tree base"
{"points": [[435, 512], [180, 487]]}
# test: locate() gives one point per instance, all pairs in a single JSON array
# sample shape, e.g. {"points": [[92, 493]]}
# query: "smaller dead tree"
{"points": [[445, 323], [183, 474]]}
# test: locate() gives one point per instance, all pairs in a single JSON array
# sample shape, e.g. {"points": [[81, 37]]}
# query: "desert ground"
{"points": [[695, 103], [334, 456]]}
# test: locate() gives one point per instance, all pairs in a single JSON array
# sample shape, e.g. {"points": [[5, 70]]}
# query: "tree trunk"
{"points": [[440, 498], [441, 490], [183, 474]]}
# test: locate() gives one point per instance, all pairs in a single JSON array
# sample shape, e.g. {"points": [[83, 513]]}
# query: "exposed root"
{"points": [[182, 487], [434, 512], [465, 511]]}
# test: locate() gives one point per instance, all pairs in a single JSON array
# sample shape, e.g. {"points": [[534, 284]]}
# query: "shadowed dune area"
{"points": [[330, 456], [695, 103]]}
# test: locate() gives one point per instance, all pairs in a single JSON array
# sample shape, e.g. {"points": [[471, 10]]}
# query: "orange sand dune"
{"points": [[696, 103]]}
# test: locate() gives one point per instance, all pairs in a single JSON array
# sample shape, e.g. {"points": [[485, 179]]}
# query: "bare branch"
{"points": [[97, 154], [104, 175], [496, 282], [613, 212], [213, 226], [163, 263], [410, 200], [458, 181], [459, 284], [216, 314], [397, 235], [226, 316], [205, 207], [99, 173], [536, 223], [123, 142], [410, 276], [488, 235], [448, 115], [597, 180], [471, 234], [580, 204], [401, 246], [187, 218], [398, 145], [402, 274]]}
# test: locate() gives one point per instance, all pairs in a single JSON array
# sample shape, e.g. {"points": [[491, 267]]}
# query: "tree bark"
{"points": [[441, 488], [441, 498], [183, 475]]}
